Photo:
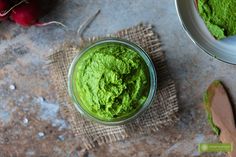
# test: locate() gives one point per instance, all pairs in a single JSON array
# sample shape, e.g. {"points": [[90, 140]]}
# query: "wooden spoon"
{"points": [[196, 3], [222, 114]]}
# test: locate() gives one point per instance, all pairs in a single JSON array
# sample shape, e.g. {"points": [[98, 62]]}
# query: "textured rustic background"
{"points": [[30, 122]]}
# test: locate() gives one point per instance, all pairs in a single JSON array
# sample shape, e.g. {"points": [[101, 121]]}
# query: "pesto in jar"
{"points": [[111, 81]]}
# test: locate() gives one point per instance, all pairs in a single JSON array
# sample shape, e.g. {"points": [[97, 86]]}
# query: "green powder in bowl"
{"points": [[111, 81]]}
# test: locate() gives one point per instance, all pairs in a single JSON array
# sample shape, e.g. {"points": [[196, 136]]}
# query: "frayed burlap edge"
{"points": [[162, 113]]}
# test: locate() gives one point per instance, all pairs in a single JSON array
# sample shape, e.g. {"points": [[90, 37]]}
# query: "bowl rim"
{"points": [[152, 73], [192, 38]]}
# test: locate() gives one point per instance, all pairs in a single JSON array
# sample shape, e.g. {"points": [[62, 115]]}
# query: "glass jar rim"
{"points": [[152, 75]]}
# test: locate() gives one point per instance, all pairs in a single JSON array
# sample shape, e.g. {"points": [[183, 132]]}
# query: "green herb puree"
{"points": [[111, 81], [219, 16]]}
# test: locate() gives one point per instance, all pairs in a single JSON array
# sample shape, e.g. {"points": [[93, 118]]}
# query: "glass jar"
{"points": [[75, 96]]}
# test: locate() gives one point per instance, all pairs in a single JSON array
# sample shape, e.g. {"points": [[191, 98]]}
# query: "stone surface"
{"points": [[23, 53]]}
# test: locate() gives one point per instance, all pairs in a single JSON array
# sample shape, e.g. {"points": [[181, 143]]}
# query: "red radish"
{"points": [[28, 14], [9, 10], [4, 6]]}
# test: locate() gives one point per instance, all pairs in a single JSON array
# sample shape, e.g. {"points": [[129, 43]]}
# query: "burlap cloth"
{"points": [[161, 113]]}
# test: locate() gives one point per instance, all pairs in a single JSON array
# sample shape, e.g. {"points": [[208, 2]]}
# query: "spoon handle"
{"points": [[222, 114]]}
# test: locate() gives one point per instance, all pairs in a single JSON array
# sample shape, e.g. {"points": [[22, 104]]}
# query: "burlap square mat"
{"points": [[161, 113]]}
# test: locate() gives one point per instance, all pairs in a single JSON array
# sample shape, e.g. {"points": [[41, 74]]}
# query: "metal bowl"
{"points": [[224, 50]]}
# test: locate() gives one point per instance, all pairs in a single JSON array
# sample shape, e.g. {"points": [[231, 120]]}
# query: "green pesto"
{"points": [[207, 99], [219, 16], [111, 81], [207, 104]]}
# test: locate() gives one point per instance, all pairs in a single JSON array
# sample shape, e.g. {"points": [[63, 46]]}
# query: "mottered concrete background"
{"points": [[30, 120]]}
